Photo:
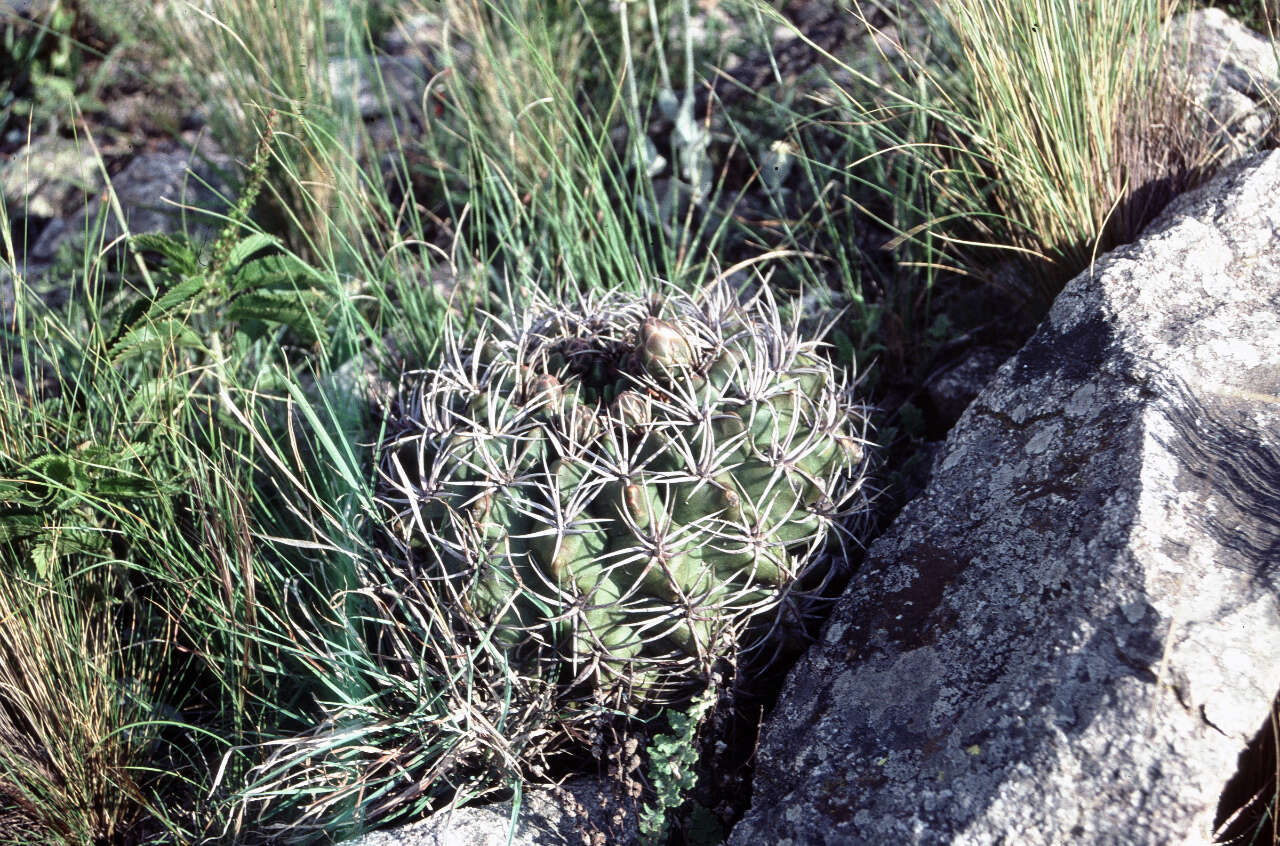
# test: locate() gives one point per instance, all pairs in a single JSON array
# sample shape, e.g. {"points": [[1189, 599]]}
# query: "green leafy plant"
{"points": [[37, 60], [237, 289], [672, 771], [51, 503]]}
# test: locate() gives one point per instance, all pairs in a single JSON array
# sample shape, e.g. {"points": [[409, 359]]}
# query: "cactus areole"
{"points": [[619, 494]]}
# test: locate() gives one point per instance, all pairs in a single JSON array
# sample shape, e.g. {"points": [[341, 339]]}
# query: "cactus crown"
{"points": [[611, 493]]}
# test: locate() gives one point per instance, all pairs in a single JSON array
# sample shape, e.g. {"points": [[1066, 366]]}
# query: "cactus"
{"points": [[620, 494]]}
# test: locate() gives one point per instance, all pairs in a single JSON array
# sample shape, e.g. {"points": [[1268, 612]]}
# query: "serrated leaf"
{"points": [[185, 291], [288, 309], [126, 485], [704, 827], [135, 451], [274, 272], [10, 488], [158, 336], [22, 494], [153, 394], [18, 525], [58, 469], [131, 316], [246, 247], [44, 556], [176, 251], [57, 542]]}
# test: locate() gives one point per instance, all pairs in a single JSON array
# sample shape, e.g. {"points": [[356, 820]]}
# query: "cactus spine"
{"points": [[615, 492]]}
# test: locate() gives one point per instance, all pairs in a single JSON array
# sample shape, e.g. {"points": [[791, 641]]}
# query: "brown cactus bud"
{"points": [[630, 409], [546, 389], [663, 346]]}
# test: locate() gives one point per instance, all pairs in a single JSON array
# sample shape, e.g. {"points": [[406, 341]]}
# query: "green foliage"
{"points": [[1034, 132], [53, 503], [37, 59], [238, 290], [673, 773], [246, 295]]}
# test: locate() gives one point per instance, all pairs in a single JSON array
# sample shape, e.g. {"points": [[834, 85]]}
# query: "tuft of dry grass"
{"points": [[72, 715], [1052, 130]]}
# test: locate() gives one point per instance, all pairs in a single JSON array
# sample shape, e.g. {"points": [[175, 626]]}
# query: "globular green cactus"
{"points": [[621, 493]]}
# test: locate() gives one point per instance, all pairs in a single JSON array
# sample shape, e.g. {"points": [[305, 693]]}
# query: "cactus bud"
{"points": [[662, 346]]}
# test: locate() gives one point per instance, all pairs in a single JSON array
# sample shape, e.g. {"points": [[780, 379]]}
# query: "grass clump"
{"points": [[78, 712], [1049, 130]]}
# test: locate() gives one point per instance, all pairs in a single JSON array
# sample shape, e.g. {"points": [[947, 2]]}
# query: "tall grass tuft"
{"points": [[75, 709], [544, 105], [247, 58], [1052, 130]]}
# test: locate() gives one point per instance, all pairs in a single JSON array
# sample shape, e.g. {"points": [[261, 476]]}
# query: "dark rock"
{"points": [[1074, 633], [950, 392]]}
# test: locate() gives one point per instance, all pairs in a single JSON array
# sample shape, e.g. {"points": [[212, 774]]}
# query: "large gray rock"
{"points": [[570, 816], [377, 85], [1073, 634]]}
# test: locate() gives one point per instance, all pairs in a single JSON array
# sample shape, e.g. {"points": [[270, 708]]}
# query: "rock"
{"points": [[419, 34], [950, 392], [354, 80], [1074, 633], [1232, 73], [48, 176], [143, 111], [29, 9], [158, 192], [567, 816]]}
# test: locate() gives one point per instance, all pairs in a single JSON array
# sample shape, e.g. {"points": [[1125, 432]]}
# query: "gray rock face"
{"points": [[395, 81], [1072, 635], [569, 816], [1232, 73], [45, 178], [157, 193]]}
